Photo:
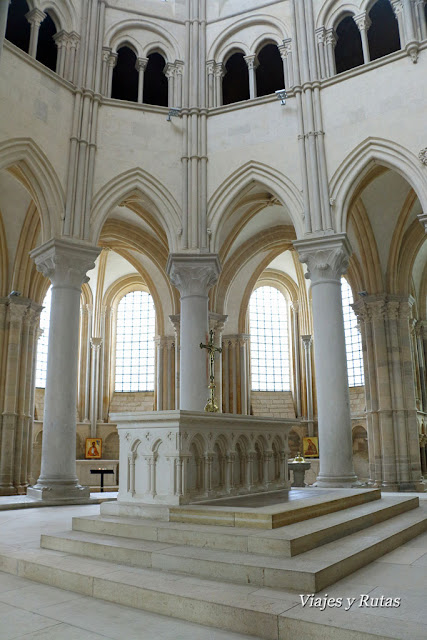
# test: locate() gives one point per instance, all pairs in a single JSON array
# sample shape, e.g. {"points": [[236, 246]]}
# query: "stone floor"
{"points": [[32, 610]]}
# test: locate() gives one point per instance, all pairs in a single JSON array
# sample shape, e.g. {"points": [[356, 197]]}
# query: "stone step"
{"points": [[273, 516], [283, 542], [309, 572], [263, 613]]}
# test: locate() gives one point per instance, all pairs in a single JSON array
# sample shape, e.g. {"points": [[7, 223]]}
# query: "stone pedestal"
{"points": [[299, 469], [178, 457], [66, 263], [327, 259]]}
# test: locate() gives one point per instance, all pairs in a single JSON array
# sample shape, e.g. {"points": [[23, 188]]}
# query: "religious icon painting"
{"points": [[310, 447], [93, 448]]}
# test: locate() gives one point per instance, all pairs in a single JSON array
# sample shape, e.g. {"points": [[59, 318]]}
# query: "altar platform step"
{"points": [[282, 542], [238, 512], [309, 572]]}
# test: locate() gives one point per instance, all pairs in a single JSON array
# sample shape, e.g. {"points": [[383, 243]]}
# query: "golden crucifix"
{"points": [[211, 405]]}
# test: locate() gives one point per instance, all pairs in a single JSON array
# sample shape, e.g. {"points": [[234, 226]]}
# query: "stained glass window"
{"points": [[135, 355], [353, 340], [269, 331]]}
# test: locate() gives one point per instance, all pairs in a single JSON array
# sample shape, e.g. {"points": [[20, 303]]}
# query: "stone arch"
{"points": [[28, 164], [357, 165], [223, 40], [163, 37], [166, 209], [129, 42], [62, 13], [333, 11], [230, 191]]}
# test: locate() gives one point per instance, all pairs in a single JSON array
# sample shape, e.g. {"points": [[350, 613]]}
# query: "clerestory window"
{"points": [[353, 340], [41, 364], [135, 355], [269, 332]]}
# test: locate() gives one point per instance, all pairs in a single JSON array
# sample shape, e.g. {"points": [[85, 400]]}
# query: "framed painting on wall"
{"points": [[93, 448], [310, 447]]}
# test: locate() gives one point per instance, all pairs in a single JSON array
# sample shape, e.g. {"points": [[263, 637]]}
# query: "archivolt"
{"points": [[129, 183], [25, 160], [371, 152], [118, 33]]}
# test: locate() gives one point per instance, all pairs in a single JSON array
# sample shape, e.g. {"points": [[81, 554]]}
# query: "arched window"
{"points": [[235, 84], [136, 320], [353, 340], [348, 49], [155, 81], [125, 76], [269, 73], [268, 321], [41, 364], [47, 51], [18, 28], [383, 34]]}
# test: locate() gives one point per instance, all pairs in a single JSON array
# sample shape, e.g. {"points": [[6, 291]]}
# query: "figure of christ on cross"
{"points": [[211, 405]]}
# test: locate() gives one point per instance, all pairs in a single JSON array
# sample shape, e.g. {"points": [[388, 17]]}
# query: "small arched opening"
{"points": [[125, 76], [348, 49], [269, 73], [235, 84], [155, 81], [47, 51], [383, 34], [18, 28]]}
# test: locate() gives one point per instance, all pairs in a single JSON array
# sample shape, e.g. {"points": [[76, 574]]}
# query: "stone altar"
{"points": [[178, 457]]}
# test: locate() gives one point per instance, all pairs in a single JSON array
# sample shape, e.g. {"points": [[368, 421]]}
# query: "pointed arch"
{"points": [[163, 38], [332, 12], [165, 208], [27, 162], [226, 196], [356, 166], [63, 13]]}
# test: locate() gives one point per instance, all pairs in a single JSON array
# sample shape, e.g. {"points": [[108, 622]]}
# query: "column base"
{"points": [[60, 493], [8, 490], [417, 487], [337, 482]]}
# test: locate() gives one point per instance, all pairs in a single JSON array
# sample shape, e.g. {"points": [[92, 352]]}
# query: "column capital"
{"points": [[193, 274], [397, 6], [217, 321], [210, 67], [112, 59], [220, 70], [175, 321], [251, 61], [307, 341], [363, 21], [169, 70], [96, 343], [330, 37], [327, 257], [141, 64], [423, 216], [35, 16], [61, 38], [320, 35], [65, 262], [73, 39]]}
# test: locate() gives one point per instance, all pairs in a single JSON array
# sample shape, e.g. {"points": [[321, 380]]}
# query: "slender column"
{"points": [[169, 371], [95, 344], [210, 70], [216, 323], [140, 66], [208, 458], [229, 474], [70, 59], [421, 19], [398, 12], [193, 275], [331, 41], [327, 259], [169, 72], [297, 366], [35, 17], [250, 458], [419, 330], [61, 41], [179, 73], [234, 371], [66, 263], [4, 8], [288, 63], [106, 53], [220, 72], [226, 366], [244, 378], [175, 320], [363, 23], [411, 38], [252, 64], [111, 63], [307, 341], [321, 39], [159, 376]]}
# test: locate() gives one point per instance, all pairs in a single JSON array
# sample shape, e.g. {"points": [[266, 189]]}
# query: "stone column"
{"points": [[252, 64], [175, 320], [363, 23], [65, 263], [327, 260], [331, 41], [210, 70], [297, 367], [35, 17], [320, 39], [160, 343], [411, 42], [61, 40], [96, 344], [70, 60], [140, 66], [111, 63], [193, 275], [169, 72], [216, 323], [4, 8], [398, 12], [394, 455], [421, 19], [307, 341]]}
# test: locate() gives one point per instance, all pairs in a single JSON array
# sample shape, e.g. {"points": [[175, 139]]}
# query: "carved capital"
{"points": [[307, 342], [363, 21], [35, 17], [330, 37], [321, 35], [251, 61], [96, 343], [61, 38], [65, 262], [326, 257], [423, 219], [220, 70], [193, 275], [423, 156], [17, 311], [397, 6], [112, 59], [217, 322], [141, 64]]}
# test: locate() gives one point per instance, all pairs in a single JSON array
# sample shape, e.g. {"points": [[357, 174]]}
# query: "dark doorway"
{"points": [[235, 84]]}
